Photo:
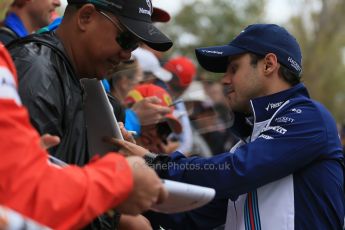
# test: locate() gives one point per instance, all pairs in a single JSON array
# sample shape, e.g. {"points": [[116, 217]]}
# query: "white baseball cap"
{"points": [[149, 63]]}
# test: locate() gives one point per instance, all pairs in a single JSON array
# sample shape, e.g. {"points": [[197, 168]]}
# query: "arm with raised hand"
{"points": [[149, 111]]}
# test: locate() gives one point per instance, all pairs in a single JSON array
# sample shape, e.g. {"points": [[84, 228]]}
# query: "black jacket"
{"points": [[51, 90]]}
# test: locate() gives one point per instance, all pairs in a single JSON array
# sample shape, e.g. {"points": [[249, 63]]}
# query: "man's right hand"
{"points": [[149, 111], [147, 190]]}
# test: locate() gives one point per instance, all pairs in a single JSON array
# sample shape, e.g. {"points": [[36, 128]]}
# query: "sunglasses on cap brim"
{"points": [[125, 39]]}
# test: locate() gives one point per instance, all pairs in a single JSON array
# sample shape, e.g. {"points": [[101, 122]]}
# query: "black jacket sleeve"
{"points": [[7, 35], [41, 91]]}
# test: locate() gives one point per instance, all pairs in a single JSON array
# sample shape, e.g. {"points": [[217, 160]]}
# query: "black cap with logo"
{"points": [[135, 15]]}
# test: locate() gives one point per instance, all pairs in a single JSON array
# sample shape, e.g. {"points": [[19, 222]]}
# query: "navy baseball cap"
{"points": [[259, 39], [135, 15]]}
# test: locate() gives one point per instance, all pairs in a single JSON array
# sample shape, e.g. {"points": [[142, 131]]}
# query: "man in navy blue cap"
{"points": [[286, 172]]}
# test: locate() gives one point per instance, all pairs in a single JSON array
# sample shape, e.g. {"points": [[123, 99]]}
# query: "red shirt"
{"points": [[61, 198]]}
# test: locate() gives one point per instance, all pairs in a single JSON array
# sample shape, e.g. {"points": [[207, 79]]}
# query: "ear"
{"points": [[85, 16], [270, 63]]}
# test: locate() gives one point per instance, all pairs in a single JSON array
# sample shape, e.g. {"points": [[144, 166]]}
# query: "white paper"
{"points": [[184, 197], [99, 117]]}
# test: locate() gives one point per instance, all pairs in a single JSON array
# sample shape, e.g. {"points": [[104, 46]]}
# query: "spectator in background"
{"points": [[55, 21], [121, 80], [154, 137], [192, 97], [213, 118], [25, 17], [124, 78], [183, 72], [153, 72]]}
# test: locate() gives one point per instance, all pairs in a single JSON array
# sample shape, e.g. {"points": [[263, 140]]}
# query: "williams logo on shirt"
{"points": [[273, 105]]}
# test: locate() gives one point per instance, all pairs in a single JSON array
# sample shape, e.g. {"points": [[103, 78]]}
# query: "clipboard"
{"points": [[101, 122], [99, 117]]}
